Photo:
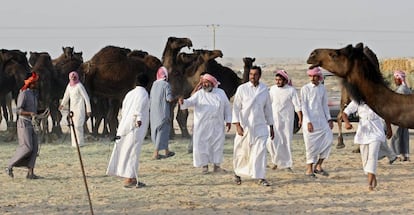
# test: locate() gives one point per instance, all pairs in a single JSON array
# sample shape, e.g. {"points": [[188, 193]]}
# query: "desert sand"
{"points": [[174, 186]]}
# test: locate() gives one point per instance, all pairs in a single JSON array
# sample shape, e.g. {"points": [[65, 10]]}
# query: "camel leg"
{"points": [[172, 131], [340, 138], [113, 116], [182, 116]]}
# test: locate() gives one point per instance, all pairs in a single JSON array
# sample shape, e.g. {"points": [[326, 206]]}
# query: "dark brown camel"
{"points": [[42, 64], [176, 72], [248, 63], [109, 75], [364, 81], [14, 68]]}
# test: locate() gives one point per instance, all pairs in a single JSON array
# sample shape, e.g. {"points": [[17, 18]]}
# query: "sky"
{"points": [[239, 28]]}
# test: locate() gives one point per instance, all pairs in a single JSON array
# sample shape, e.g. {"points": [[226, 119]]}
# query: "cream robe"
{"points": [[125, 155], [79, 99], [285, 101], [211, 111], [252, 109], [315, 110]]}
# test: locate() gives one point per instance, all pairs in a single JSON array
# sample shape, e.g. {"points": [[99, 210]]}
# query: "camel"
{"points": [[109, 75], [42, 64], [14, 68], [248, 63], [364, 82], [175, 71]]}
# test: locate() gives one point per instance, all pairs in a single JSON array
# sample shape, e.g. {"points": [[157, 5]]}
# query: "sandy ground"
{"points": [[176, 187]]}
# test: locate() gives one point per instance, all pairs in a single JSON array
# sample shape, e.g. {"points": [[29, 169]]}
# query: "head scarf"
{"points": [[211, 78], [284, 74], [316, 71], [162, 73], [73, 78], [32, 79], [400, 75]]}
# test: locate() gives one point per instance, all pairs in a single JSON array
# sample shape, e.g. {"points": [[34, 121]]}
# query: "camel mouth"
{"points": [[314, 65]]}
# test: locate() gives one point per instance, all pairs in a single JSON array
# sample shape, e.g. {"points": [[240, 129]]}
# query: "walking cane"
{"points": [[80, 159]]}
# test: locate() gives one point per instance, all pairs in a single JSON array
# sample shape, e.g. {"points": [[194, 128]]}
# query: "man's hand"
{"points": [[228, 126], [239, 129], [310, 127]]}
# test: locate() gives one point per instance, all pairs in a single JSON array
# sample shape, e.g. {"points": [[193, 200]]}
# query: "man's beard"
{"points": [[207, 88]]}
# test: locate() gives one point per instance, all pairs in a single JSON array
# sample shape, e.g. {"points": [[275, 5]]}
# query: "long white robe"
{"points": [[211, 111], [285, 101], [315, 110], [79, 100], [125, 155], [252, 109]]}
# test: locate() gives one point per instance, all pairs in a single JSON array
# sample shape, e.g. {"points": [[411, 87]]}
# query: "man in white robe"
{"points": [[212, 110], [370, 135], [131, 133], [317, 124], [285, 102], [79, 100], [252, 116]]}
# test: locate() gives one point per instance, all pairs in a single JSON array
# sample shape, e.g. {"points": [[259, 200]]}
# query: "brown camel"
{"points": [[176, 72], [14, 68], [109, 75], [42, 64], [248, 63], [364, 81]]}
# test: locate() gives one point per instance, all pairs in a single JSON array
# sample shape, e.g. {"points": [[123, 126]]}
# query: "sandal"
{"points": [[159, 157], [321, 172], [310, 175], [264, 183], [9, 172], [33, 176], [170, 154], [140, 185], [237, 179], [205, 170]]}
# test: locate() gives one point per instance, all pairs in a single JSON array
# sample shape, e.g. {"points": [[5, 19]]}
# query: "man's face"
{"points": [[207, 85], [314, 79], [280, 82], [397, 81], [254, 76], [33, 85]]}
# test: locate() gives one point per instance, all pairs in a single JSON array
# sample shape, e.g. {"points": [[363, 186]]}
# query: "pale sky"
{"points": [[260, 28]]}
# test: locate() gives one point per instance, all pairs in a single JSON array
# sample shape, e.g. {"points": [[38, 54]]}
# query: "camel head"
{"points": [[338, 61], [176, 43], [68, 51], [248, 61], [78, 56], [207, 55]]}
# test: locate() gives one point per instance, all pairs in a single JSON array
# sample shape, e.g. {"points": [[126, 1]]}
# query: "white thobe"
{"points": [[370, 134], [125, 155], [252, 109], [79, 100], [315, 110], [211, 111], [285, 101]]}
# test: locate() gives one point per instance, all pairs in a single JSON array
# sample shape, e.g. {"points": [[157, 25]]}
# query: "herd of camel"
{"points": [[112, 72], [107, 77]]}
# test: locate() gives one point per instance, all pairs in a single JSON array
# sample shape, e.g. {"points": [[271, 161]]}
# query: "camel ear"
{"points": [[348, 50], [359, 46], [253, 59]]}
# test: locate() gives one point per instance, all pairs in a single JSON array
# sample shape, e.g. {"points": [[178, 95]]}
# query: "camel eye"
{"points": [[333, 55]]}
